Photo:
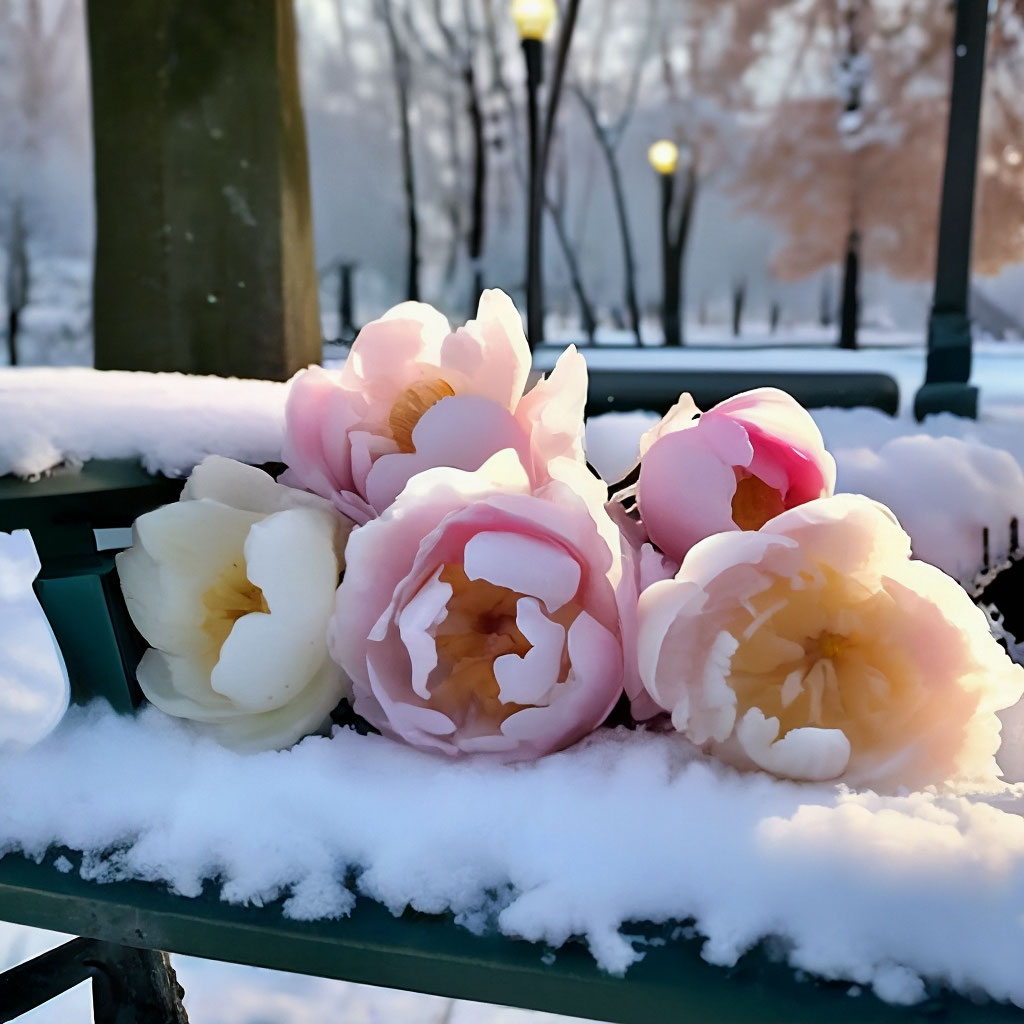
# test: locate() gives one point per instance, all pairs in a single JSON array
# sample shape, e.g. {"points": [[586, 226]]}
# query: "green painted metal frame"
{"points": [[420, 952], [623, 390], [431, 954]]}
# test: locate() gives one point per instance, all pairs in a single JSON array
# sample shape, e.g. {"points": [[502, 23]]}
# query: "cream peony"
{"points": [[415, 394], [817, 649], [233, 586], [479, 617]]}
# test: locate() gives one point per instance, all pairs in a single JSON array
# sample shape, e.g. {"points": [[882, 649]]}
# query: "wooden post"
{"points": [[204, 250]]}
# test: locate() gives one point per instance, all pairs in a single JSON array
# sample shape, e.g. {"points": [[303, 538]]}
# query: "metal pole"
{"points": [[533, 50], [347, 329], [849, 310], [949, 330], [670, 316]]}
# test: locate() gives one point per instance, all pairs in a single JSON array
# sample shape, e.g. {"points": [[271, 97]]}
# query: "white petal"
{"points": [[268, 659], [179, 552], [714, 716], [180, 686], [244, 487], [811, 754]]}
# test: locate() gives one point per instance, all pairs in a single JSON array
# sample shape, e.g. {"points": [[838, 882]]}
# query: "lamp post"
{"points": [[946, 387], [664, 158], [533, 19]]}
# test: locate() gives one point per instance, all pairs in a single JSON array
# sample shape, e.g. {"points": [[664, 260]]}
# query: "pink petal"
{"points": [[551, 413], [416, 623], [532, 678], [406, 334], [312, 399], [684, 493], [524, 564], [583, 701], [491, 351], [769, 413], [682, 416], [461, 432]]}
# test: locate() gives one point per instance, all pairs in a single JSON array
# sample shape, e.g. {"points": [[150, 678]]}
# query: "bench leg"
{"points": [[129, 986]]}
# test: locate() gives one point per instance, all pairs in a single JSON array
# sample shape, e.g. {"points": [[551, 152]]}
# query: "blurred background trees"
{"points": [[44, 141], [809, 130]]}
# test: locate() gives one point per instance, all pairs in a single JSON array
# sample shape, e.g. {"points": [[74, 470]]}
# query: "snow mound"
{"points": [[170, 421], [626, 826], [945, 492]]}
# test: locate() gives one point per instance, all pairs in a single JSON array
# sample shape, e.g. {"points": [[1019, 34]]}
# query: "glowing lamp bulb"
{"points": [[533, 18], [664, 156]]}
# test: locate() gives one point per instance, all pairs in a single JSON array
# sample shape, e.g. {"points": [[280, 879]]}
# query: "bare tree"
{"points": [[609, 132], [402, 72], [706, 51], [738, 296], [17, 278], [461, 37], [42, 69], [554, 205]]}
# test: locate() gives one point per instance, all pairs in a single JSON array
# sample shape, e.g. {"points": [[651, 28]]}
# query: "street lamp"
{"points": [[533, 19], [947, 386], [664, 158]]}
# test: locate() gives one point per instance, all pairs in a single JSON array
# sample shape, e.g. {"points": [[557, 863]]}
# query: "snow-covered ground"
{"points": [[958, 472]]}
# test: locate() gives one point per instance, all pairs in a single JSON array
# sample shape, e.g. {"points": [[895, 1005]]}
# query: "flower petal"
{"points": [[524, 564], [178, 552], [462, 432], [531, 678], [551, 413], [811, 754], [268, 657], [491, 351]]}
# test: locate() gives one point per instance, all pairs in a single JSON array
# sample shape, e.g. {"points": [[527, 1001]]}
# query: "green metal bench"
{"points": [[657, 389], [128, 925]]}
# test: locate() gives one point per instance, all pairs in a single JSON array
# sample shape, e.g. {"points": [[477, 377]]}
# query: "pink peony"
{"points": [[414, 394], [476, 616], [732, 468], [815, 648]]}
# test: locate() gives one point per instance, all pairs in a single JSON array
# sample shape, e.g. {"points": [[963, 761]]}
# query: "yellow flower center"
{"points": [[831, 644], [754, 503], [231, 597], [812, 652], [480, 626], [410, 406]]}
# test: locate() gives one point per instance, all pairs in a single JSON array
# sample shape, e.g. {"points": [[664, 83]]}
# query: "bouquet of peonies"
{"points": [[494, 602]]}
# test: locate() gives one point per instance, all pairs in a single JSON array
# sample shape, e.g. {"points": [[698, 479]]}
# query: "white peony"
{"points": [[233, 586]]}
